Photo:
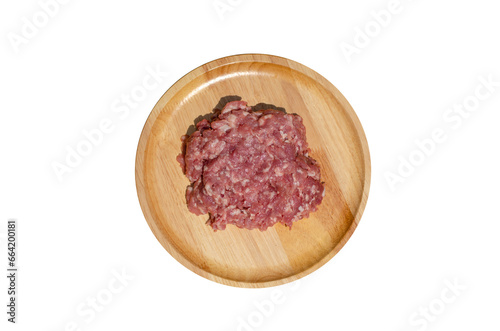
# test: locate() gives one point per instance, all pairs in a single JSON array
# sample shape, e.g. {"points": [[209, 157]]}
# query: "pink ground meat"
{"points": [[251, 169]]}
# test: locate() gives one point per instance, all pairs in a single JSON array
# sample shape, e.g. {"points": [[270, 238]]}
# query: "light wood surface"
{"points": [[251, 258]]}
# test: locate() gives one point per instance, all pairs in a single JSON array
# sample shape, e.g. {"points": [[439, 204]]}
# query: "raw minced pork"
{"points": [[250, 168]]}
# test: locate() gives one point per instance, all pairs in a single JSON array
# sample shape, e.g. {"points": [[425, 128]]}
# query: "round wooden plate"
{"points": [[251, 258]]}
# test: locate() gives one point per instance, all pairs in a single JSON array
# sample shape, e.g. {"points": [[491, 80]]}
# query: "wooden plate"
{"points": [[251, 258]]}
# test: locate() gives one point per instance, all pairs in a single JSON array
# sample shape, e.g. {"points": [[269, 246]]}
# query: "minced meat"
{"points": [[251, 169]]}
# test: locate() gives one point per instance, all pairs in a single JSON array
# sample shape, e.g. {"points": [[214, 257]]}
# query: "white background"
{"points": [[439, 226]]}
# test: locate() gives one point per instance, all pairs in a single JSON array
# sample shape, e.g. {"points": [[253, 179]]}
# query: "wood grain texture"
{"points": [[251, 258]]}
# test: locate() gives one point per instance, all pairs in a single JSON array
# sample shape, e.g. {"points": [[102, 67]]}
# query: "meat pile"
{"points": [[250, 168]]}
